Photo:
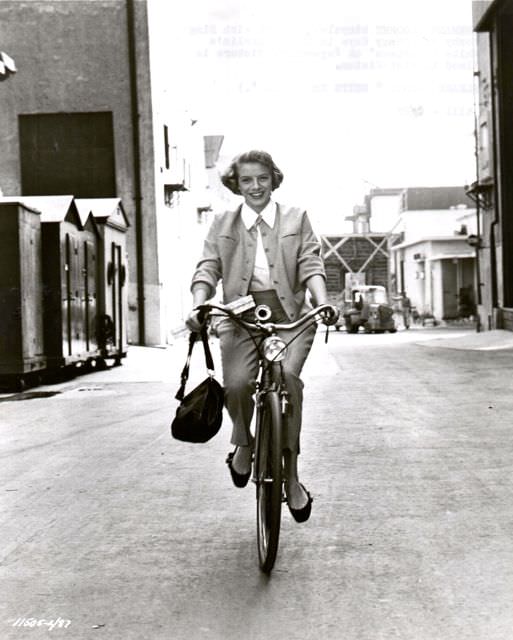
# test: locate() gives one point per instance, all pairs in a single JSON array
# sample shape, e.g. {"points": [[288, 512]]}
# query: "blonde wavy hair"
{"points": [[230, 177]]}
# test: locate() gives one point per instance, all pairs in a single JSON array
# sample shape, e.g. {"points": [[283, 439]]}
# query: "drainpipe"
{"points": [[479, 299], [493, 259], [495, 221], [139, 244]]}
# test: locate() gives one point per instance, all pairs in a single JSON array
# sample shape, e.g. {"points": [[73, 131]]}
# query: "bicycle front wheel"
{"points": [[268, 461]]}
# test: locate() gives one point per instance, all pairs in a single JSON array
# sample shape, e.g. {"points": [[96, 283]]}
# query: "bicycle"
{"points": [[271, 410]]}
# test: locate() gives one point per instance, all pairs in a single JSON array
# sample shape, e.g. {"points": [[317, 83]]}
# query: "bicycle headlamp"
{"points": [[263, 313], [274, 349]]}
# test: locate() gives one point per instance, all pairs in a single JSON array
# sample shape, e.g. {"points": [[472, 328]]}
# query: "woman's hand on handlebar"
{"points": [[193, 322], [329, 315], [196, 318]]}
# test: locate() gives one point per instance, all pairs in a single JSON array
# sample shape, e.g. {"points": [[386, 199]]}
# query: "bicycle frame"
{"points": [[270, 373], [272, 404]]}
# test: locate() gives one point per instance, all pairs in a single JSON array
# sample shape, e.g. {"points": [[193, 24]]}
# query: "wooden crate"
{"points": [[21, 291]]}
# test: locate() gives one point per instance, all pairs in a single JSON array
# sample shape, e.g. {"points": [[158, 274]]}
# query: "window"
{"points": [[67, 154], [166, 146]]}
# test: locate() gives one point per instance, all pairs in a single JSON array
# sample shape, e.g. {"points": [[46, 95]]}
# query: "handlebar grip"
{"points": [[332, 314], [202, 313]]}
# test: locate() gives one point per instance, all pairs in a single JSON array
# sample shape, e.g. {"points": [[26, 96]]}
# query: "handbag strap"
{"points": [[208, 356], [193, 336]]}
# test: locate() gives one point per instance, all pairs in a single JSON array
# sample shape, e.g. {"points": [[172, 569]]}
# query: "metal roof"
{"points": [[426, 239], [452, 256], [435, 198], [52, 208], [103, 209], [18, 200], [484, 11]]}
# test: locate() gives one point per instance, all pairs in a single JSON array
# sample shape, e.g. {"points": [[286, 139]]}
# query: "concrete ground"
{"points": [[111, 529]]}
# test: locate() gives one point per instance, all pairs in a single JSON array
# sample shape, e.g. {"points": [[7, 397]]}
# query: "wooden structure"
{"points": [[112, 223], [362, 257], [69, 279], [21, 291]]}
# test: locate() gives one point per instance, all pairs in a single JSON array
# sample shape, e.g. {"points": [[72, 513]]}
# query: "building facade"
{"points": [[78, 118], [86, 115], [493, 188], [413, 240], [432, 260], [430, 257]]}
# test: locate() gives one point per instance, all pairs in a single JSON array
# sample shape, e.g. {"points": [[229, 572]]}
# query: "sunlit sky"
{"points": [[346, 96]]}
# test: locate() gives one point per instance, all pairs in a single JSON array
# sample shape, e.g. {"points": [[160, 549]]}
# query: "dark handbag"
{"points": [[200, 414]]}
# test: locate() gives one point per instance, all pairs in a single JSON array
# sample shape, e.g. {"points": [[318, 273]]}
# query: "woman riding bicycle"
{"points": [[270, 251]]}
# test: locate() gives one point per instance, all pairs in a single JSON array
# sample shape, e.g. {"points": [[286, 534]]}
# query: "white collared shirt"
{"points": [[261, 279]]}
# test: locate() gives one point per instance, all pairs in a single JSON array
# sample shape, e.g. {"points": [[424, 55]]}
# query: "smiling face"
{"points": [[255, 184]]}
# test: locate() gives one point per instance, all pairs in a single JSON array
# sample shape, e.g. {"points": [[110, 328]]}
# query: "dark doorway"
{"points": [[67, 154]]}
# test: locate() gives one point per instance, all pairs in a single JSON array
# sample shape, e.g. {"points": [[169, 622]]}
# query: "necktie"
{"points": [[258, 220]]}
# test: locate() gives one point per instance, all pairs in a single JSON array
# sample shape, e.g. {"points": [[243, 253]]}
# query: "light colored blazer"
{"points": [[292, 249]]}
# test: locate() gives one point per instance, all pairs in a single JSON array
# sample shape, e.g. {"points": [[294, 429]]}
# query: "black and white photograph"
{"points": [[256, 320]]}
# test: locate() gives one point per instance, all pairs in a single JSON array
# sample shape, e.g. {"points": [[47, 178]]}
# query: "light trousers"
{"points": [[240, 367]]}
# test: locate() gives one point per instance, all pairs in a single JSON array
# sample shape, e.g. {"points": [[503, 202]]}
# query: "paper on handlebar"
{"points": [[241, 305]]}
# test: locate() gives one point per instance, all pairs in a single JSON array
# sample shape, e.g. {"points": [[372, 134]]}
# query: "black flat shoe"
{"points": [[239, 479], [302, 515]]}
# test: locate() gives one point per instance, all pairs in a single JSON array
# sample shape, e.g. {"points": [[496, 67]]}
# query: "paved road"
{"points": [[111, 530]]}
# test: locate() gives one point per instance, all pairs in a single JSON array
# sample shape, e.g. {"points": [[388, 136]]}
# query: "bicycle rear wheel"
{"points": [[268, 461]]}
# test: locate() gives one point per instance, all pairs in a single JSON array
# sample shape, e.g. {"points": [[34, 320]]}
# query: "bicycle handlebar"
{"points": [[269, 327]]}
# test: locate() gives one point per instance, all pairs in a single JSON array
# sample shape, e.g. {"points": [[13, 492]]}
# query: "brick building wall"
{"points": [[73, 60]]}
